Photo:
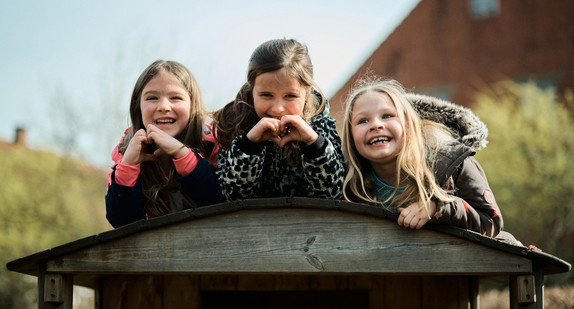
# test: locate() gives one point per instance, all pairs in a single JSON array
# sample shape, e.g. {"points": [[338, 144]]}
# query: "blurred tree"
{"points": [[529, 165], [45, 201], [88, 121]]}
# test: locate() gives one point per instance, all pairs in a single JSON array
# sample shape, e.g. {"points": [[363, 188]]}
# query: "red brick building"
{"points": [[453, 48]]}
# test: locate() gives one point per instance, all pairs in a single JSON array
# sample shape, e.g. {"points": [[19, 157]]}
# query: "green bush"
{"points": [[45, 201], [530, 165]]}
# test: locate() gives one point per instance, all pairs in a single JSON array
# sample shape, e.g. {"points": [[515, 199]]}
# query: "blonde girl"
{"points": [[416, 167], [165, 162]]}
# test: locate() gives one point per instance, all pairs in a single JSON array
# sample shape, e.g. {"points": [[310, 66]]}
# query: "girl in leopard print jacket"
{"points": [[276, 137]]}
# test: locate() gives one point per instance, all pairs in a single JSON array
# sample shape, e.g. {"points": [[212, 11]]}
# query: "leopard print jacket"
{"points": [[244, 173]]}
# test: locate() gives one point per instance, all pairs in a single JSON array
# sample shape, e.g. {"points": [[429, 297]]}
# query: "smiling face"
{"points": [[376, 129], [276, 94], [165, 103]]}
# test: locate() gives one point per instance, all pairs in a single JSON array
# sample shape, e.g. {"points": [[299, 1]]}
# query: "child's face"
{"points": [[376, 128], [165, 103], [276, 94]]}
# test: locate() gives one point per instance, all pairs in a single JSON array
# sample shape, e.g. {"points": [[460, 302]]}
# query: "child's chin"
{"points": [[170, 129]]}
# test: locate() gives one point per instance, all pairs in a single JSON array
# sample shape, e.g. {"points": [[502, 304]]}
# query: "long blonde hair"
{"points": [[415, 161]]}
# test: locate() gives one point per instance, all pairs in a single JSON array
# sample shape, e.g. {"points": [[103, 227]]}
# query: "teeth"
{"points": [[380, 139], [163, 121]]}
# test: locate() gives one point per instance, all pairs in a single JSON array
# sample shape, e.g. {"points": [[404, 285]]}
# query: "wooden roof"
{"points": [[285, 235]]}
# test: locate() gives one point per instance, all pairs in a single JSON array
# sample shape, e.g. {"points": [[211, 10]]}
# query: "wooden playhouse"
{"points": [[286, 253]]}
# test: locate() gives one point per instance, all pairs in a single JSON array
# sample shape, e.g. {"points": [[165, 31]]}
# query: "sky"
{"points": [[67, 67]]}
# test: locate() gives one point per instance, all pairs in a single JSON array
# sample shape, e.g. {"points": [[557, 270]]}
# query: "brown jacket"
{"points": [[474, 206], [456, 169]]}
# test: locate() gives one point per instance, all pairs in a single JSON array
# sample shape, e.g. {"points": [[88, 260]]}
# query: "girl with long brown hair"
{"points": [[166, 160]]}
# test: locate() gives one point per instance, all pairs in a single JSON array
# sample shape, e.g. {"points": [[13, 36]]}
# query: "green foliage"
{"points": [[529, 164], [45, 201]]}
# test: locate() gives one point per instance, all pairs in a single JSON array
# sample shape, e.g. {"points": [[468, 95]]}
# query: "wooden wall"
{"points": [[287, 291]]}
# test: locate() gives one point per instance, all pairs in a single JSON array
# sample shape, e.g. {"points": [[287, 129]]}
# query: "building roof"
{"points": [[283, 235]]}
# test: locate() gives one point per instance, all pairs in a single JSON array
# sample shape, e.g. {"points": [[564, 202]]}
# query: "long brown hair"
{"points": [[153, 177], [239, 115]]}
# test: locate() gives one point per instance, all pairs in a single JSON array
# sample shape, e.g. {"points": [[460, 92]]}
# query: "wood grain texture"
{"points": [[289, 240], [304, 291]]}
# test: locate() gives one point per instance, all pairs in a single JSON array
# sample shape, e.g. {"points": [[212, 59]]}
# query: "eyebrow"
{"points": [[358, 115], [290, 91]]}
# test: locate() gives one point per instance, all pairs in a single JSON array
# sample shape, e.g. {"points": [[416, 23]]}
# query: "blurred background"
{"points": [[68, 69]]}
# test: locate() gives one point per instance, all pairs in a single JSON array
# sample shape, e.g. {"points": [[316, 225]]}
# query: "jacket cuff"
{"points": [[126, 175], [316, 149], [249, 147]]}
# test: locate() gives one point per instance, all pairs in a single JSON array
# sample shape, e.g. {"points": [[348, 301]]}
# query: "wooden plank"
{"points": [[444, 292], [113, 292], [403, 292], [291, 282], [255, 282], [360, 282], [474, 293], [218, 282], [145, 292], [54, 288], [137, 292], [523, 292], [181, 291], [525, 289], [377, 292], [289, 240], [56, 291]]}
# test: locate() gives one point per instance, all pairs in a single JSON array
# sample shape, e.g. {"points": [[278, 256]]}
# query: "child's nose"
{"points": [[377, 125], [164, 105], [277, 109]]}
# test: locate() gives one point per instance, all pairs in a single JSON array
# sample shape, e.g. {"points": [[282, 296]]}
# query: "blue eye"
{"points": [[363, 121]]}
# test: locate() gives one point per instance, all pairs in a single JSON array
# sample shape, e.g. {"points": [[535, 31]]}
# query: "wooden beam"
{"points": [[474, 293], [309, 241], [526, 293], [55, 291], [523, 292]]}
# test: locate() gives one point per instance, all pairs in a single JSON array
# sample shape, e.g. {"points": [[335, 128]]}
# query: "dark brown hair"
{"points": [[239, 115]]}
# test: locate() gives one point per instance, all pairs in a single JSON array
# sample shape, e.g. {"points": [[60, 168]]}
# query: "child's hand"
{"points": [[267, 129], [167, 144], [415, 216], [289, 128], [134, 154], [294, 128]]}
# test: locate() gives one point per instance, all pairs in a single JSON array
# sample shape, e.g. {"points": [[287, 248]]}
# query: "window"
{"points": [[480, 9]]}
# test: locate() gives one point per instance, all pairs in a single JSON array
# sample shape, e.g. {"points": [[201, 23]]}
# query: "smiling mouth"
{"points": [[164, 121], [379, 140]]}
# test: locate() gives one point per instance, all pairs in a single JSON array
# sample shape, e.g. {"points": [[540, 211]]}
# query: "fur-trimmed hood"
{"points": [[461, 120]]}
